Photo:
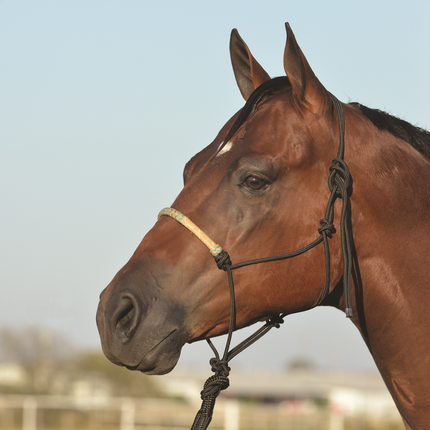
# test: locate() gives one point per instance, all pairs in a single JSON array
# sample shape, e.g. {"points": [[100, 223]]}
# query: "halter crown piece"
{"points": [[340, 185]]}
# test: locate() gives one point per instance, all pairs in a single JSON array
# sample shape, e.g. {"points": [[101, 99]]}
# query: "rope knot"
{"points": [[326, 227], [276, 321], [340, 178], [213, 386], [220, 367], [222, 260], [210, 392]]}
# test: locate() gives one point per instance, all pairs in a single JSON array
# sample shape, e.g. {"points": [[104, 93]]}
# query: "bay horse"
{"points": [[260, 189]]}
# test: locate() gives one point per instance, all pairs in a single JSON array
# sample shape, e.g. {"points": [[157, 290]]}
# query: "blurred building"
{"points": [[299, 390], [346, 393]]}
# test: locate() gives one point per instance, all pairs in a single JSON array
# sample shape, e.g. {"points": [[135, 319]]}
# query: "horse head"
{"points": [[259, 189]]}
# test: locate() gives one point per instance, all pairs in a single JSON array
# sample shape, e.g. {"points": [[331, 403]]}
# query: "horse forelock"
{"points": [[418, 138]]}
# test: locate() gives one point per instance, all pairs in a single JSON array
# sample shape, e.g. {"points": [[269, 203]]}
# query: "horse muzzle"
{"points": [[140, 335]]}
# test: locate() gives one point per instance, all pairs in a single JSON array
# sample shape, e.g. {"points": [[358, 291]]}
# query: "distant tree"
{"points": [[300, 363], [123, 381], [31, 346], [39, 351], [53, 365]]}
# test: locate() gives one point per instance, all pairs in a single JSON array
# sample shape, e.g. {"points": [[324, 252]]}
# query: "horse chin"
{"points": [[160, 366], [161, 359]]}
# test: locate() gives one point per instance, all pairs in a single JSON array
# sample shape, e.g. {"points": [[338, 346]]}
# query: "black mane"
{"points": [[415, 136]]}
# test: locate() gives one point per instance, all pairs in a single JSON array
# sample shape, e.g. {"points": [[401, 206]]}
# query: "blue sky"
{"points": [[103, 102]]}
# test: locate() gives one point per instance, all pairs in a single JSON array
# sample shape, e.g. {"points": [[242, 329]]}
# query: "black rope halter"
{"points": [[339, 183]]}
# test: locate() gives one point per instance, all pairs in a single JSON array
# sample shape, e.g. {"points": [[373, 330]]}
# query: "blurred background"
{"points": [[101, 105]]}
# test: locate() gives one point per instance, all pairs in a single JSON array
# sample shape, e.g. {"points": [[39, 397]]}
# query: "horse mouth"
{"points": [[162, 357]]}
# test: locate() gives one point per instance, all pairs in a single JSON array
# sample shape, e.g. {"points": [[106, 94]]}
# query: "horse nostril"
{"points": [[126, 317]]}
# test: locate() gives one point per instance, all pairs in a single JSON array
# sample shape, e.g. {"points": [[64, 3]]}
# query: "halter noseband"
{"points": [[339, 184]]}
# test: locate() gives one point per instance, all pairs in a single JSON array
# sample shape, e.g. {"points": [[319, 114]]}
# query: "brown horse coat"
{"points": [[263, 193]]}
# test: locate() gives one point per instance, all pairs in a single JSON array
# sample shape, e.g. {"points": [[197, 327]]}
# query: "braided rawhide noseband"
{"points": [[339, 184]]}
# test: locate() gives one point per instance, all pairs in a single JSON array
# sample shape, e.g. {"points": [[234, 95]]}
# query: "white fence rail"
{"points": [[69, 413]]}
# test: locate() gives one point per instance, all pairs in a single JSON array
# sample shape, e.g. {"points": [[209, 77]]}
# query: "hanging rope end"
{"points": [[348, 312], [211, 389]]}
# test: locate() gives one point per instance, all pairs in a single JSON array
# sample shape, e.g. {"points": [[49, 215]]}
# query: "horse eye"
{"points": [[255, 183]]}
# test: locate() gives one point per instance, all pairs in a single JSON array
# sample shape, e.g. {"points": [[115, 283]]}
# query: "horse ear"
{"points": [[306, 86], [247, 71]]}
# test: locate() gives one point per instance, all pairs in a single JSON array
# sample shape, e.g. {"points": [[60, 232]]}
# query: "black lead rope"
{"points": [[339, 183]]}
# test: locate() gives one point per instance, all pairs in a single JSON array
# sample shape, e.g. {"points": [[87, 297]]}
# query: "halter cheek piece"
{"points": [[339, 183]]}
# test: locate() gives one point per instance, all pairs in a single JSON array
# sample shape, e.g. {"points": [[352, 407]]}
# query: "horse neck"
{"points": [[390, 217]]}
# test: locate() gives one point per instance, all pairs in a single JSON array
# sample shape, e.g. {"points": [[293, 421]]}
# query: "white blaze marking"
{"points": [[226, 148]]}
